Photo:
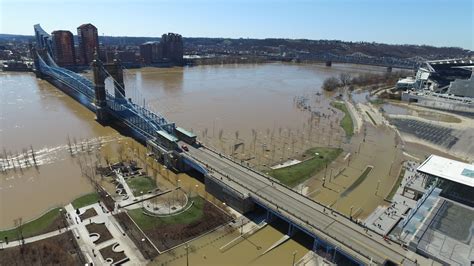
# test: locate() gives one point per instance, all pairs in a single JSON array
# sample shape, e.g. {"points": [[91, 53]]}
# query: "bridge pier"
{"points": [[270, 217]]}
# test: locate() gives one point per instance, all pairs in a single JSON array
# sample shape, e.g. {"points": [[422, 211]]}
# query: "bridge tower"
{"points": [[99, 89], [34, 53], [115, 70]]}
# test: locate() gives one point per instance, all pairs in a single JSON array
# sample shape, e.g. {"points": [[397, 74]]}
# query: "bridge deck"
{"points": [[333, 228]]}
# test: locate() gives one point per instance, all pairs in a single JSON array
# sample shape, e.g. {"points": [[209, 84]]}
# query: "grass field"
{"points": [[141, 183], [146, 222], [85, 200], [295, 174], [346, 123], [359, 180], [35, 227]]}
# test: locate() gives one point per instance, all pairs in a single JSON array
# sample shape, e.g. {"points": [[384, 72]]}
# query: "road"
{"points": [[336, 229]]}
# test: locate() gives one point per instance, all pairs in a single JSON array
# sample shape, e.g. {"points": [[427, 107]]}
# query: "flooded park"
{"points": [[244, 111]]}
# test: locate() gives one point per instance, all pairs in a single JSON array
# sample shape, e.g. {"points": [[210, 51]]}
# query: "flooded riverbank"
{"points": [[224, 105]]}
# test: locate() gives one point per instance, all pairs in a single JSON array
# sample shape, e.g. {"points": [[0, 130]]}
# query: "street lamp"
{"points": [[294, 256], [176, 191], [187, 254]]}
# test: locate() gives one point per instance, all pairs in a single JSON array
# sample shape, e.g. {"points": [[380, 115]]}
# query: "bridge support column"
{"points": [[291, 230], [328, 249], [99, 89], [315, 244], [270, 216]]}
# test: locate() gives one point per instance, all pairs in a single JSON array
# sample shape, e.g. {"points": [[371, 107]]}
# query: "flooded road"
{"points": [[224, 105], [207, 250], [416, 111]]}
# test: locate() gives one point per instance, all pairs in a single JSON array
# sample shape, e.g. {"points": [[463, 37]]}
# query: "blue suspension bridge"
{"points": [[239, 186], [107, 106]]}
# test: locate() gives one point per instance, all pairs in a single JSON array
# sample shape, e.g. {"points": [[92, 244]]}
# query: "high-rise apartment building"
{"points": [[88, 42], [168, 50], [63, 48], [172, 45]]}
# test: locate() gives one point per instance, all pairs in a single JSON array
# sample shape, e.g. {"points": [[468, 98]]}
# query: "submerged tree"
{"points": [[331, 84]]}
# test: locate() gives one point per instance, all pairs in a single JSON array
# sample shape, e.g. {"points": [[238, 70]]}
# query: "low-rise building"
{"points": [[440, 225]]}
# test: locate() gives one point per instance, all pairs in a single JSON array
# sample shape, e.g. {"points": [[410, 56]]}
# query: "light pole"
{"points": [[177, 194], [294, 257], [377, 189], [187, 254]]}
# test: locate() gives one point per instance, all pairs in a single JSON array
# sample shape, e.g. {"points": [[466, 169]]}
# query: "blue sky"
{"points": [[431, 22]]}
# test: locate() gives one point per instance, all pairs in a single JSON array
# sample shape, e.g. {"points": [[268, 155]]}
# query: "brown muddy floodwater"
{"points": [[222, 104]]}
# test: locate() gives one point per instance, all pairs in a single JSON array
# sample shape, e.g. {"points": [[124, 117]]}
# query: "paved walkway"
{"points": [[159, 208], [16, 243], [385, 218], [85, 242], [91, 250]]}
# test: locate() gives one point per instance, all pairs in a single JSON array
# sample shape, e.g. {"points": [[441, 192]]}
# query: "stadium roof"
{"points": [[448, 169]]}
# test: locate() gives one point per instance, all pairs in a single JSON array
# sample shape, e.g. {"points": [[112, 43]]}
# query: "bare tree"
{"points": [[331, 84], [345, 79]]}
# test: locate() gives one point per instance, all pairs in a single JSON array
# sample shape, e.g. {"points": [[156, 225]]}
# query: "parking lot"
{"points": [[438, 135]]}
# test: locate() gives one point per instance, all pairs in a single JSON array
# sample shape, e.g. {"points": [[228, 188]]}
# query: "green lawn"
{"points": [[145, 222], [346, 123], [33, 228], [359, 180], [85, 200], [141, 183], [295, 174]]}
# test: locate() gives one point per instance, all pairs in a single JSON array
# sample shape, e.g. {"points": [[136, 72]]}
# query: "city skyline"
{"points": [[392, 22]]}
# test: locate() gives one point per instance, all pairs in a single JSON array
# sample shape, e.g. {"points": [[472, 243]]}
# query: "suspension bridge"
{"points": [[239, 186]]}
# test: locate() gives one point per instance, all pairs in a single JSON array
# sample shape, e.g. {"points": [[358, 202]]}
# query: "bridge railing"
{"points": [[319, 232], [254, 194], [314, 230], [311, 201]]}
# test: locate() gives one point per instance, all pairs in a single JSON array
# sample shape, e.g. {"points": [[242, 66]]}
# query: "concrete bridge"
{"points": [[237, 185]]}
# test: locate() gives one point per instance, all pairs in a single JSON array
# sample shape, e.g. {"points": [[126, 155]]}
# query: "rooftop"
{"points": [[167, 135], [87, 25], [185, 132], [445, 168]]}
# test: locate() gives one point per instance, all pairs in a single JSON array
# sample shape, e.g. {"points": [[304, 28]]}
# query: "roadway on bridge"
{"points": [[331, 227]]}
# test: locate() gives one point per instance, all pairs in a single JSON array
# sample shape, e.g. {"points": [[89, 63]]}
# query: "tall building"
{"points": [[63, 48], [172, 45], [88, 42], [168, 51], [151, 52]]}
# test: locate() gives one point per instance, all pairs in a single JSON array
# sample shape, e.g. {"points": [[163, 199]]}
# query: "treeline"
{"points": [[346, 80]]}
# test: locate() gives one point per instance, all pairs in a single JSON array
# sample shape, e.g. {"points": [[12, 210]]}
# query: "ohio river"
{"points": [[227, 99]]}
